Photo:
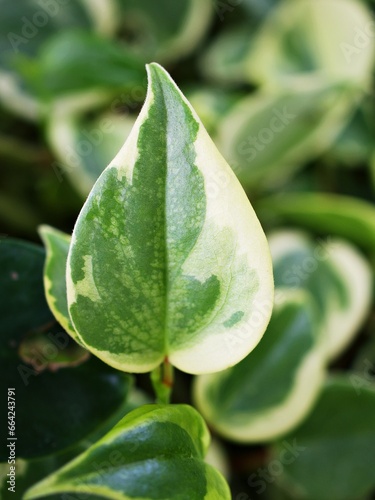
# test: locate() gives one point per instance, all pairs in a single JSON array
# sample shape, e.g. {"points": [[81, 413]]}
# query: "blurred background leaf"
{"points": [[62, 395], [340, 431]]}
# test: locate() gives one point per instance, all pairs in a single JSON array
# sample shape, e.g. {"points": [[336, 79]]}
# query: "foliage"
{"points": [[159, 263]]}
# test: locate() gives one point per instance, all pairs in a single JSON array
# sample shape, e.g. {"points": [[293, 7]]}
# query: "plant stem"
{"points": [[162, 381]]}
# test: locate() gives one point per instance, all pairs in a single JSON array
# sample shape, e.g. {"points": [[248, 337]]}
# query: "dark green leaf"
{"points": [[54, 409], [164, 30], [79, 61], [334, 447], [155, 452]]}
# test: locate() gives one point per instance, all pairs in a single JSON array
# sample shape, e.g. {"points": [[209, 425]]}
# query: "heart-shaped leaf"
{"points": [[244, 403], [154, 452], [334, 447], [167, 257], [336, 275], [55, 408]]}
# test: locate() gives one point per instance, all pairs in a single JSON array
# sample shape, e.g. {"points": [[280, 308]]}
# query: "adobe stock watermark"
{"points": [[260, 310], [218, 180], [363, 378], [275, 468], [363, 36], [42, 356], [38, 20], [255, 144], [83, 148], [300, 272]]}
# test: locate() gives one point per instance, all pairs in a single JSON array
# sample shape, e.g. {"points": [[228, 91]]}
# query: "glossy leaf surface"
{"points": [[340, 431], [154, 452]]}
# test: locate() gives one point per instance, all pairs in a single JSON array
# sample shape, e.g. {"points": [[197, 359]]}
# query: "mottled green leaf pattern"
{"points": [[154, 452], [160, 263]]}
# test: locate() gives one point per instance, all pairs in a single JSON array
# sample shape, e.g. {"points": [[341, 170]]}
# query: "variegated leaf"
{"points": [[168, 257], [226, 57], [333, 214], [297, 45], [57, 247], [244, 403], [166, 30], [56, 408], [83, 146], [337, 276], [155, 452], [267, 136]]}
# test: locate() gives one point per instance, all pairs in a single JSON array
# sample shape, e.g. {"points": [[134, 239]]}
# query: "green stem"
{"points": [[162, 381]]}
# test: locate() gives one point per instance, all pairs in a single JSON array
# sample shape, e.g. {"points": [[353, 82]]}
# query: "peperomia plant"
{"points": [[286, 91], [167, 266]]}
